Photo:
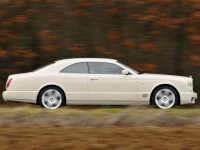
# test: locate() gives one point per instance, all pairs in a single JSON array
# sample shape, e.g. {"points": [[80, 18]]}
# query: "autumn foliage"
{"points": [[149, 35]]}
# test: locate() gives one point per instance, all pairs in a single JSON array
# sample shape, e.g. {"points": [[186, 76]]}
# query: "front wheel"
{"points": [[165, 97], [51, 98]]}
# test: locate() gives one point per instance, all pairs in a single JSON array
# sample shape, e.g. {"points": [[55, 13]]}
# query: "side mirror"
{"points": [[125, 72]]}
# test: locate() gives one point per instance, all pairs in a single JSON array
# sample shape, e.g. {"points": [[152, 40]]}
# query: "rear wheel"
{"points": [[51, 98], [165, 97]]}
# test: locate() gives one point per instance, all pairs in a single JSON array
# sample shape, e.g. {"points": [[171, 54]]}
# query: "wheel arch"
{"points": [[161, 86], [51, 85]]}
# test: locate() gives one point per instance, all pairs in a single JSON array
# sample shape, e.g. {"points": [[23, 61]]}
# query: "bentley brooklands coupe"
{"points": [[97, 81]]}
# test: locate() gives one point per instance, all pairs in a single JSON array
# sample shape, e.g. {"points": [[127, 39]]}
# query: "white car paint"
{"points": [[96, 89]]}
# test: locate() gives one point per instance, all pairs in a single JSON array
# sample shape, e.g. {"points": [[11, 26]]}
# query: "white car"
{"points": [[97, 81]]}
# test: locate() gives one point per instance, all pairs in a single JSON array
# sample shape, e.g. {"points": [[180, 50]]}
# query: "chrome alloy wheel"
{"points": [[165, 98], [51, 99]]}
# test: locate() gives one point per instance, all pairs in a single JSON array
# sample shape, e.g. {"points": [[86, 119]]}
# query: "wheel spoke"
{"points": [[49, 104], [56, 95], [45, 98], [160, 102], [167, 103], [169, 93], [159, 95], [52, 92], [171, 98], [163, 92], [56, 102]]}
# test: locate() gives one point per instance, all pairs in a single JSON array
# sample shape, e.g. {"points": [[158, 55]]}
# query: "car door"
{"points": [[74, 81], [107, 84]]}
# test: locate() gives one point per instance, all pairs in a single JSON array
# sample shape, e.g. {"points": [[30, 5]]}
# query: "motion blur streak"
{"points": [[101, 138], [149, 35], [155, 36]]}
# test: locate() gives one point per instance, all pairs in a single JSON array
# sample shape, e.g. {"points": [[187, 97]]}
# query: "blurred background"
{"points": [[152, 36], [148, 35]]}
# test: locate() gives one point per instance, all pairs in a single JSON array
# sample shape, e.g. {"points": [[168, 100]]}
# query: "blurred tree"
{"points": [[150, 35]]}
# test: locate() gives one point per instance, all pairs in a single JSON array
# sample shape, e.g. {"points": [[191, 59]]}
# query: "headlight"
{"points": [[190, 85]]}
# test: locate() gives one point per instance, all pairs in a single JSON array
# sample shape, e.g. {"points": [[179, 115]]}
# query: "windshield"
{"points": [[128, 67], [43, 66]]}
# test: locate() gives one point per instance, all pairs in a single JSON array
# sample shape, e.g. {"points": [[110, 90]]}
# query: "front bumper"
{"points": [[188, 98]]}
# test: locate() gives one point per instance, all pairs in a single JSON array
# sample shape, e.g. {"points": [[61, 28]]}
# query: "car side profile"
{"points": [[97, 81]]}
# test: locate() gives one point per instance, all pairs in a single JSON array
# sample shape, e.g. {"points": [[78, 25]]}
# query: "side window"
{"points": [[104, 68], [76, 68]]}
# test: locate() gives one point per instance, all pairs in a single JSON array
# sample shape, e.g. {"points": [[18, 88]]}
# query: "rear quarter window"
{"points": [[81, 67]]}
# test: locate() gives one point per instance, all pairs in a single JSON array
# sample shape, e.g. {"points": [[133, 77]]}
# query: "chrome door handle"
{"points": [[94, 79]]}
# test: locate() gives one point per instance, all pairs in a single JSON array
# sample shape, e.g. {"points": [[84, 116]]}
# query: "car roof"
{"points": [[87, 59], [60, 64]]}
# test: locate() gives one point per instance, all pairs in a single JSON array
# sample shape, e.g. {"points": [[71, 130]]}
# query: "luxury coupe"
{"points": [[97, 81]]}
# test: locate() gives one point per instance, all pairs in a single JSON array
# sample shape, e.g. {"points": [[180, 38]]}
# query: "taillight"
{"points": [[8, 83]]}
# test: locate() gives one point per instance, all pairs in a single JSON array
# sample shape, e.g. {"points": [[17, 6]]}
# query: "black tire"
{"points": [[56, 96], [165, 95]]}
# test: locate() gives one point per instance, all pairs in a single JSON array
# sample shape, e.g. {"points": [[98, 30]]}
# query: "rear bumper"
{"points": [[20, 96], [188, 98]]}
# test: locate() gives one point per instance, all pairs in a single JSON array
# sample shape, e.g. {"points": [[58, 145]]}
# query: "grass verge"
{"points": [[61, 111]]}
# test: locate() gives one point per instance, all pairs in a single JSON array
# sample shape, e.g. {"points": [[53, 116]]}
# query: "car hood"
{"points": [[162, 76]]}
